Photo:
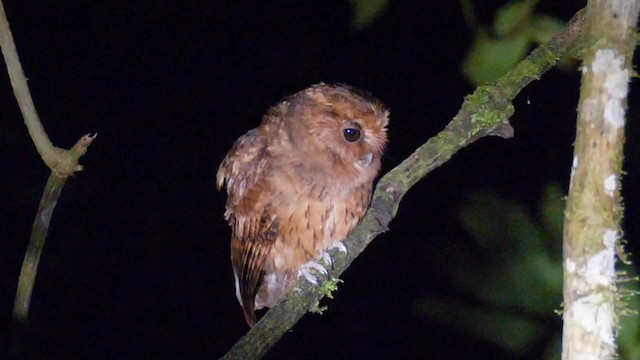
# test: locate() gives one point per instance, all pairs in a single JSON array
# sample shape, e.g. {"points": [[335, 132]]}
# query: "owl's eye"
{"points": [[351, 134]]}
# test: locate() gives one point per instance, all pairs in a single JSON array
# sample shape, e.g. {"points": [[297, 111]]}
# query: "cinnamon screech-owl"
{"points": [[297, 185]]}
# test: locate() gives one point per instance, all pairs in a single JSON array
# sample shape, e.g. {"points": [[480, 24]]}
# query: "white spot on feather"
{"points": [[235, 276], [276, 284]]}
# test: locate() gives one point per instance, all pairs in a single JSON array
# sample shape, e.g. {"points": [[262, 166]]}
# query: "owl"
{"points": [[297, 186]]}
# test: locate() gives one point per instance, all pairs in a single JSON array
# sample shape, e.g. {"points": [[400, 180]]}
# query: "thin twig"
{"points": [[59, 160], [39, 232], [34, 250], [48, 152], [485, 112], [62, 163]]}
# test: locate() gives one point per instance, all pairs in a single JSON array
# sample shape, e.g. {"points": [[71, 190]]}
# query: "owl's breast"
{"points": [[313, 218]]}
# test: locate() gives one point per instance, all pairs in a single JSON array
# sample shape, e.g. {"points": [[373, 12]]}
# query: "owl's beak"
{"points": [[367, 159]]}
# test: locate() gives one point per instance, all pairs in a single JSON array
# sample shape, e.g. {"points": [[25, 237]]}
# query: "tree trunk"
{"points": [[592, 219]]}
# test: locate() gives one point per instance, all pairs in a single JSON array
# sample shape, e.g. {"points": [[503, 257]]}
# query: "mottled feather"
{"points": [[297, 185]]}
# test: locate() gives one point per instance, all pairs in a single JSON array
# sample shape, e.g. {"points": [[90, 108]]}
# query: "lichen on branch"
{"points": [[594, 205]]}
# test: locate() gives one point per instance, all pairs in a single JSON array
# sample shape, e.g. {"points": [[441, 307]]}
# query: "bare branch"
{"points": [[62, 163], [58, 160]]}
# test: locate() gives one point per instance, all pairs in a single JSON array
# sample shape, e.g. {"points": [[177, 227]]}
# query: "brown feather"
{"points": [[297, 186]]}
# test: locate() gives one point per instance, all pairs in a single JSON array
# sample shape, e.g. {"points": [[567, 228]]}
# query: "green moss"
{"points": [[325, 289]]}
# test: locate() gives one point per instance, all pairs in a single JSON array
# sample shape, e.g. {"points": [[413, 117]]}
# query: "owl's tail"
{"points": [[248, 259], [246, 302], [246, 291], [249, 312]]}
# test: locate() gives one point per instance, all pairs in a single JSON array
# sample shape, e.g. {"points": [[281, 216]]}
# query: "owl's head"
{"points": [[341, 130]]}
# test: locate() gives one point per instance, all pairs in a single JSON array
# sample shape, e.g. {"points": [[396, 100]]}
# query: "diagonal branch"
{"points": [[485, 112]]}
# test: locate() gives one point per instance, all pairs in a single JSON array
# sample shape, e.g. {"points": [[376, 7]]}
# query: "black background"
{"points": [[137, 260]]}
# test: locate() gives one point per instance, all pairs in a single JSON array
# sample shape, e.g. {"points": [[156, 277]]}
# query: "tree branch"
{"points": [[39, 232], [59, 160], [483, 113], [63, 163], [594, 205]]}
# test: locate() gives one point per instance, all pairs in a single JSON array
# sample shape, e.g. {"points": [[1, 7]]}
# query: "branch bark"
{"points": [[63, 163], [483, 113], [594, 209]]}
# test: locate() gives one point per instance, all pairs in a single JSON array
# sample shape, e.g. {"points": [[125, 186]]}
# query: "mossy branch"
{"points": [[483, 113], [592, 229]]}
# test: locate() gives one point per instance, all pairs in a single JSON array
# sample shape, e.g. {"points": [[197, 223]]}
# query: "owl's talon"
{"points": [[326, 258], [340, 246], [310, 278], [307, 275], [305, 271], [317, 266]]}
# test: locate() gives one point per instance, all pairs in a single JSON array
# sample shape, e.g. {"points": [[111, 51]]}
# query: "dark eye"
{"points": [[351, 134]]}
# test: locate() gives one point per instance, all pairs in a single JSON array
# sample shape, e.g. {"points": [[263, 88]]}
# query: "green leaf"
{"points": [[482, 218], [366, 11], [552, 215], [513, 17], [520, 282], [511, 332], [468, 12], [513, 275], [543, 28], [629, 333], [514, 267], [554, 350], [490, 58]]}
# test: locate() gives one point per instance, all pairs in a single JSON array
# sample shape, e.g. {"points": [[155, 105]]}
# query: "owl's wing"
{"points": [[253, 223], [250, 246]]}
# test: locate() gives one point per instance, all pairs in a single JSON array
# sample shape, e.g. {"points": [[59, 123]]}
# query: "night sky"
{"points": [[137, 261]]}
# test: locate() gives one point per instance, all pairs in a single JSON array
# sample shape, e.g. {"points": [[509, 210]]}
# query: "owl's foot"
{"points": [[321, 265], [325, 259], [340, 246], [307, 271]]}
